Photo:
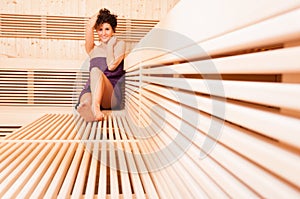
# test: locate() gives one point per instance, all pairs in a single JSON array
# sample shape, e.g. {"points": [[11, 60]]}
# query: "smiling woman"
{"points": [[104, 87]]}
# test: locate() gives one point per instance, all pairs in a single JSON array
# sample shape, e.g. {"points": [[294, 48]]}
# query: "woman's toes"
{"points": [[99, 116]]}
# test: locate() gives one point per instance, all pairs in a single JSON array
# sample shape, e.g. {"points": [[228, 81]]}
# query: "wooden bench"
{"points": [[211, 111]]}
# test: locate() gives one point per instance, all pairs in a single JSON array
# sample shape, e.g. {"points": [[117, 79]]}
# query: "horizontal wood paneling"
{"points": [[63, 27], [138, 9], [52, 47], [41, 87]]}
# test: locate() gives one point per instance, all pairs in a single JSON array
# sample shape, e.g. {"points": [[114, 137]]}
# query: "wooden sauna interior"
{"points": [[211, 107]]}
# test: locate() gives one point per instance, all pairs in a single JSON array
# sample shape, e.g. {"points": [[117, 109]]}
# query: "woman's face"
{"points": [[105, 32]]}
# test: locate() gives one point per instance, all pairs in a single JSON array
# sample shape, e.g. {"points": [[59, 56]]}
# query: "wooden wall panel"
{"points": [[70, 49], [140, 9], [42, 48]]}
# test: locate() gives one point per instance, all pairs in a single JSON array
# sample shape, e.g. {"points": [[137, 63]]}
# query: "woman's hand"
{"points": [[112, 41], [92, 21], [115, 54]]}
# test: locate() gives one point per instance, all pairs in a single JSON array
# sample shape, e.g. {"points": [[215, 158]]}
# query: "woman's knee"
{"points": [[96, 70]]}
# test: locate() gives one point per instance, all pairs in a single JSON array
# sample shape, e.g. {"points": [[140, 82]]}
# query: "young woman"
{"points": [[104, 86]]}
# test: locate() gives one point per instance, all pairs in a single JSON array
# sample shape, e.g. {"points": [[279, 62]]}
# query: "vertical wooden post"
{"points": [[176, 75], [30, 87], [291, 78]]}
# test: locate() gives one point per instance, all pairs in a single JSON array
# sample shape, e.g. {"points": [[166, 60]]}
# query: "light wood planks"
{"points": [[68, 157], [41, 87], [234, 85], [218, 125], [64, 27]]}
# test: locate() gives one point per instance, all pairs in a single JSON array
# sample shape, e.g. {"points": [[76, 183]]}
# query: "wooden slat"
{"points": [[259, 146], [70, 178], [123, 169], [231, 186], [246, 172], [79, 184], [273, 94], [145, 177], [268, 62], [251, 118], [102, 190], [170, 178], [247, 151], [37, 87], [234, 35], [114, 189], [40, 188], [133, 169], [59, 176], [91, 182], [31, 157], [45, 166], [288, 31]]}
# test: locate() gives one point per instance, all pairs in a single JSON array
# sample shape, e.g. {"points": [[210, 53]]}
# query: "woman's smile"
{"points": [[105, 32]]}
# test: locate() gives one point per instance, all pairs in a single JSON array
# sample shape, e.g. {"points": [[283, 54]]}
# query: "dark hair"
{"points": [[104, 16]]}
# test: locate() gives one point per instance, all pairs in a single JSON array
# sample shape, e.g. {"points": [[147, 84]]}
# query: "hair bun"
{"points": [[104, 11], [105, 16]]}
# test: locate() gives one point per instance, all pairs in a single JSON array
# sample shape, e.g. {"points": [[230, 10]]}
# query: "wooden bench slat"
{"points": [[266, 150], [102, 190], [166, 172], [189, 184], [145, 177], [38, 172], [24, 171], [114, 185], [84, 162], [90, 190], [28, 134], [123, 169], [60, 174], [247, 150], [266, 93], [232, 24], [250, 173], [268, 62], [133, 169], [255, 118], [23, 129], [31, 157], [70, 177], [44, 183]]}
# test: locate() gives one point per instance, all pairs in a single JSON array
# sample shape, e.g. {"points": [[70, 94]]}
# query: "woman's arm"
{"points": [[115, 53], [89, 34]]}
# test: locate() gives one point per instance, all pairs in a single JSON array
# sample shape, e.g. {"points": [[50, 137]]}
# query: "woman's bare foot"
{"points": [[97, 112], [85, 111]]}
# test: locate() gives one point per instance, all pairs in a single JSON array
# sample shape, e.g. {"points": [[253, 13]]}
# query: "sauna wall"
{"points": [[72, 49]]}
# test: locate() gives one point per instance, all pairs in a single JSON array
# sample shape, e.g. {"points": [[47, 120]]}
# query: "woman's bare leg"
{"points": [[102, 93]]}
